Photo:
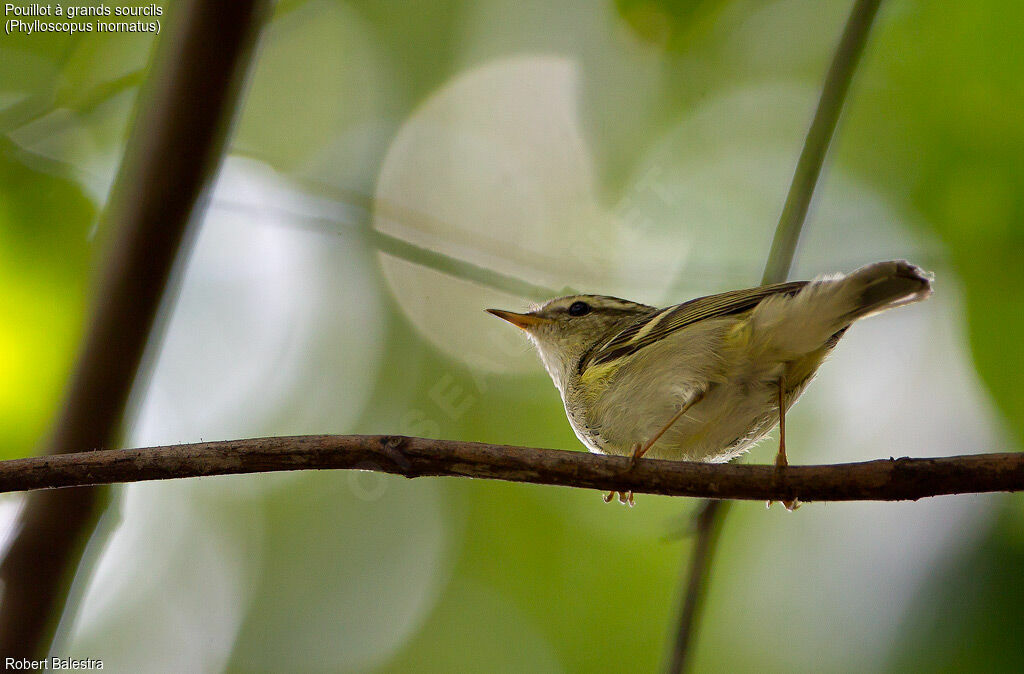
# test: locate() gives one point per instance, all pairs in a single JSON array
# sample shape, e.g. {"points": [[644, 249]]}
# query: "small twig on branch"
{"points": [[880, 480]]}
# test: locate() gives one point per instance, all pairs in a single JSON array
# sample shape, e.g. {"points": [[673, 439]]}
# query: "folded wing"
{"points": [[657, 325]]}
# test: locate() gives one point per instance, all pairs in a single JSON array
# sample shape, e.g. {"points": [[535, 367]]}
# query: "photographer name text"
{"points": [[52, 664]]}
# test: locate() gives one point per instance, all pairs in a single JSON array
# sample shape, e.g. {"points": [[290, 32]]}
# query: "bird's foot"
{"points": [[781, 462], [790, 505], [625, 497]]}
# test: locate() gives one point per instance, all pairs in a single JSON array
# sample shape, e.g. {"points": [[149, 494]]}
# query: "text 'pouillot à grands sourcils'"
{"points": [[37, 9]]}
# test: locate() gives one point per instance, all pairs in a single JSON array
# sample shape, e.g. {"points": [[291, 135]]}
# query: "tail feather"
{"points": [[790, 325], [885, 285]]}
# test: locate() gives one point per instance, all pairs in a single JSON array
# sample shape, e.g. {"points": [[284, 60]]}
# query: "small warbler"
{"points": [[706, 379]]}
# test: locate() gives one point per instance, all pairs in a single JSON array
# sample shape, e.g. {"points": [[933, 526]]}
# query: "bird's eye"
{"points": [[579, 309]]}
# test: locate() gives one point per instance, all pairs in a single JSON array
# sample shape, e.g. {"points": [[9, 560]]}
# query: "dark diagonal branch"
{"points": [[173, 150], [694, 586], [780, 259], [881, 480]]}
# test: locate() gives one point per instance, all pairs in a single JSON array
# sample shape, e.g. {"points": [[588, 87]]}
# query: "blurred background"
{"points": [[395, 168]]}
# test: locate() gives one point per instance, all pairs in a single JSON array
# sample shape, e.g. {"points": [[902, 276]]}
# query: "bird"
{"points": [[707, 379]]}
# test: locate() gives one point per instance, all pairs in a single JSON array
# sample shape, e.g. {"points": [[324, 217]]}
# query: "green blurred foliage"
{"points": [[62, 110], [935, 121], [44, 266], [669, 24], [961, 621]]}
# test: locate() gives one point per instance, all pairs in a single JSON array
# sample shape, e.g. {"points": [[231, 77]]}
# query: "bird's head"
{"points": [[566, 328]]}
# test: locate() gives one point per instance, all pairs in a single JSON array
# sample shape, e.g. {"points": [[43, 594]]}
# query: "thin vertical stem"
{"points": [[819, 136], [709, 521], [711, 516]]}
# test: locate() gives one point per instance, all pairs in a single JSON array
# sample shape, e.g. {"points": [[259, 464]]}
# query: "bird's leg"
{"points": [[639, 450], [780, 459]]}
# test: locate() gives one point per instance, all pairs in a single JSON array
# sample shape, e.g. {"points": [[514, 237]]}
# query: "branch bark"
{"points": [[174, 149], [881, 480]]}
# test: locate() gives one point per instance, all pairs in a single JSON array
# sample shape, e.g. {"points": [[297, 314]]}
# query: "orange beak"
{"points": [[524, 321]]}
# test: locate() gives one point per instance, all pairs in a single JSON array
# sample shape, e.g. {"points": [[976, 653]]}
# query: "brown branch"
{"points": [[174, 148], [880, 480]]}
